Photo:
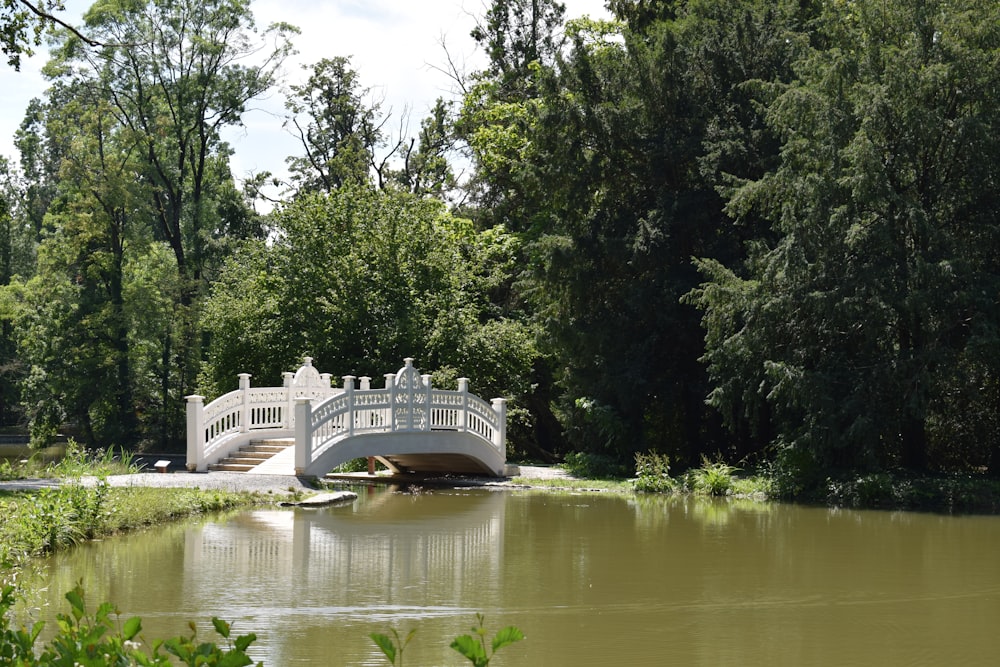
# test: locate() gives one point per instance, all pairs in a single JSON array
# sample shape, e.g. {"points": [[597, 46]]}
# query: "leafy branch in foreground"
{"points": [[472, 647], [98, 638]]}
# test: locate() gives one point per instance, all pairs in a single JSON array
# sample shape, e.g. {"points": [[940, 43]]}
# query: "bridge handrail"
{"points": [[318, 415], [412, 405], [248, 409]]}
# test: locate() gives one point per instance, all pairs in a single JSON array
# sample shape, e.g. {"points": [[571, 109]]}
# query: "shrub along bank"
{"points": [[965, 493]]}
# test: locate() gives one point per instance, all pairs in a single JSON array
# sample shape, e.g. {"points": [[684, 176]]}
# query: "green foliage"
{"points": [[338, 129], [830, 166], [392, 647], [713, 478], [472, 647], [74, 462], [21, 27], [354, 465], [654, 118], [840, 340], [124, 159], [952, 493], [594, 466], [796, 473], [78, 461], [41, 522], [99, 638], [360, 279], [653, 473]]}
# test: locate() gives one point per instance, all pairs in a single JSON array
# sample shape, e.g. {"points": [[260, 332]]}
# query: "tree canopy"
{"points": [[765, 230]]}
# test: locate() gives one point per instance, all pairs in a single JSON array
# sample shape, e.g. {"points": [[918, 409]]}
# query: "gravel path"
{"points": [[237, 481]]}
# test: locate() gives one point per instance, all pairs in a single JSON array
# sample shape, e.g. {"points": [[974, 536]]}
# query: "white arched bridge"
{"points": [[408, 425]]}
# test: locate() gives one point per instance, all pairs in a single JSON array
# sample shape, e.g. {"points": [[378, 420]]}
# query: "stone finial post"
{"points": [[195, 432], [366, 383], [463, 414], [244, 402], [500, 435], [326, 379], [303, 435]]}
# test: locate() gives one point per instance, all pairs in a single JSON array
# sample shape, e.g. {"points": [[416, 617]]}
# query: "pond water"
{"points": [[590, 579]]}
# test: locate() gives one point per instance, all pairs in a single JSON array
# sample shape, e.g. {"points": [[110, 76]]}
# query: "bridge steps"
{"points": [[252, 455]]}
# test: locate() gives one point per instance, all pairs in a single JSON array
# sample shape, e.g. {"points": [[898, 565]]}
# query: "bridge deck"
{"points": [[282, 463]]}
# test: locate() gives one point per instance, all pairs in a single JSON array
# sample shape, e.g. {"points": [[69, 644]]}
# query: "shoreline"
{"points": [[290, 484]]}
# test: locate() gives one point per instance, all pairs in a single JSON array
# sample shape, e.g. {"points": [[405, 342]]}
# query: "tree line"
{"points": [[763, 230]]}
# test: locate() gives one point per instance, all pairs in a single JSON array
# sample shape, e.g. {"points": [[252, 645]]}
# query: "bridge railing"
{"points": [[213, 428], [407, 403]]}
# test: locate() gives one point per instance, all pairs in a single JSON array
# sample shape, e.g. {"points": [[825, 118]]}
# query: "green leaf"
{"points": [[244, 641], [75, 598], [132, 627], [471, 649], [384, 642], [235, 659], [222, 627], [507, 636]]}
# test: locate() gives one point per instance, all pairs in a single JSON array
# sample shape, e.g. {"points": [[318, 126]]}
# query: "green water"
{"points": [[590, 579]]}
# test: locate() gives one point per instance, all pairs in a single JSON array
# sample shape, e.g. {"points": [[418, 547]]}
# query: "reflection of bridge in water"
{"points": [[368, 552]]}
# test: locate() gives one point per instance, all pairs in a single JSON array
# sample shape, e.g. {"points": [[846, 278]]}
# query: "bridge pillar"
{"points": [[303, 435], [349, 391], [195, 431], [390, 388], [428, 397], [286, 382], [245, 402], [463, 420], [500, 435]]}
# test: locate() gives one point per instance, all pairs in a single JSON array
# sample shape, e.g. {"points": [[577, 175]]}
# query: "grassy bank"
{"points": [[41, 521]]}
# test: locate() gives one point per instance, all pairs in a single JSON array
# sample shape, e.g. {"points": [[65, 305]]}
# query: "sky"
{"points": [[394, 45]]}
